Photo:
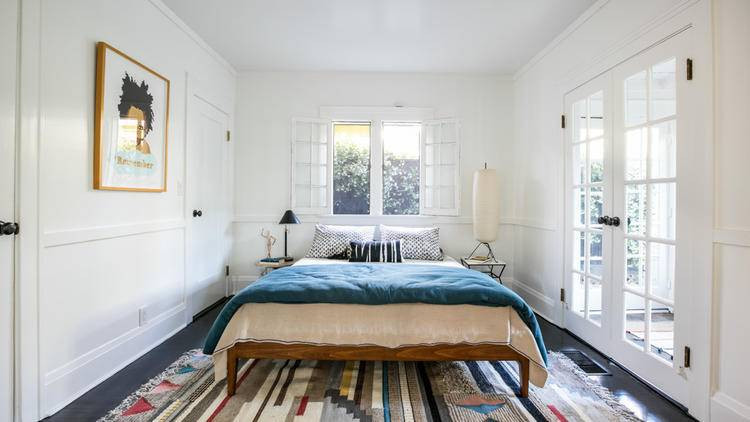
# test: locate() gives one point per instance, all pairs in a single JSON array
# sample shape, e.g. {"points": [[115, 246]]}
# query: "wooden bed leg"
{"points": [[231, 371], [523, 370]]}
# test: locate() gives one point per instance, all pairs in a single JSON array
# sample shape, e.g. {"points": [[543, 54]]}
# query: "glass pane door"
{"points": [[650, 208], [588, 202], [647, 248]]}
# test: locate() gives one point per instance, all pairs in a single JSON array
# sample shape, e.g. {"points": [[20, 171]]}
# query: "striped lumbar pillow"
{"points": [[376, 251]]}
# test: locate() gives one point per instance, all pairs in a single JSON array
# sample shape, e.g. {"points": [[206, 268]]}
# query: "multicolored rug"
{"points": [[288, 390]]}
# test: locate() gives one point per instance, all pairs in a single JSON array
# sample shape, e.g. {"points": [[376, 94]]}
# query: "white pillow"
{"points": [[416, 242], [330, 241]]}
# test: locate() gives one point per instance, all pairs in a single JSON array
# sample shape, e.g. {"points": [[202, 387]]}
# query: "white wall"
{"points": [[731, 399], [103, 255], [267, 101], [611, 31]]}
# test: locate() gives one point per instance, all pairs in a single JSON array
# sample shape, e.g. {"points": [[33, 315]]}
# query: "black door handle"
{"points": [[197, 213], [8, 229], [609, 221]]}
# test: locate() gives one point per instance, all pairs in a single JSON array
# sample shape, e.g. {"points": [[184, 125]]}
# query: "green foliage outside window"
{"points": [[351, 182]]}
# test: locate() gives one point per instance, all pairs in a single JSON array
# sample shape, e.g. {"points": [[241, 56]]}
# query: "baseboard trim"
{"points": [[90, 357], [536, 294], [245, 279], [210, 307], [723, 406]]}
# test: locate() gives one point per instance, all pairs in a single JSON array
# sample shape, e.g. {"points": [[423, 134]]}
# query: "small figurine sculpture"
{"points": [[270, 241]]}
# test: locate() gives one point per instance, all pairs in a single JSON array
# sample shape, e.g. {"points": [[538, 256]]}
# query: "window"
{"points": [[375, 161], [401, 168], [351, 168]]}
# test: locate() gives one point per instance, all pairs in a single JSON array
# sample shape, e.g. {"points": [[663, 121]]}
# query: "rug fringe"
{"points": [[145, 388], [601, 391]]}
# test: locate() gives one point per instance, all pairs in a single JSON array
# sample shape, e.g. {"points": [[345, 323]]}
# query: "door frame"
{"points": [[696, 16], [9, 321], [197, 90]]}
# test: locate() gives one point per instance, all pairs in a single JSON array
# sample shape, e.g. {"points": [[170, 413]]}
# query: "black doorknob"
{"points": [[8, 229], [615, 221], [197, 213], [606, 220]]}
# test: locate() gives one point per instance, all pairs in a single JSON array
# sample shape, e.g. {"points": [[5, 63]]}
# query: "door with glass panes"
{"points": [[589, 180], [627, 227]]}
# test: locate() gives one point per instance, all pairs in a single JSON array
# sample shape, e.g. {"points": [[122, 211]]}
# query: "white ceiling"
{"points": [[486, 36]]}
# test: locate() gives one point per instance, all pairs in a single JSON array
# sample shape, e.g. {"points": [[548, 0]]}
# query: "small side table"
{"points": [[270, 266], [490, 264]]}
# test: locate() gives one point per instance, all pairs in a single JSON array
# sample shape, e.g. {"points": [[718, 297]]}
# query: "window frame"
{"points": [[376, 117]]}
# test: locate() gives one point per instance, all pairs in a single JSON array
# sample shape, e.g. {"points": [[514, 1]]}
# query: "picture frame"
{"points": [[131, 124]]}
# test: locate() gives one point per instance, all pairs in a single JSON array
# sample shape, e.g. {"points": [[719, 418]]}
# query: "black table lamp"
{"points": [[286, 219]]}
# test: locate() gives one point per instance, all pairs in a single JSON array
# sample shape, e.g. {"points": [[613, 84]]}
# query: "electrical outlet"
{"points": [[142, 316]]}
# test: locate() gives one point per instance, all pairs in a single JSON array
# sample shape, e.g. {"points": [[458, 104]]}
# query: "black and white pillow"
{"points": [[416, 242], [331, 241], [376, 251]]}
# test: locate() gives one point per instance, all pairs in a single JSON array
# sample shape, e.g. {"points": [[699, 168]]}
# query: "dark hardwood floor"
{"points": [[639, 398]]}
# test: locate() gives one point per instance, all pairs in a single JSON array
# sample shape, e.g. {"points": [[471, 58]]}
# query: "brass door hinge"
{"points": [[229, 136], [562, 121], [562, 295], [687, 357], [689, 69]]}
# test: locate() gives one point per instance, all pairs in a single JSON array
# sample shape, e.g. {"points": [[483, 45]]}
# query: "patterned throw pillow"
{"points": [[376, 251], [416, 242], [331, 241]]}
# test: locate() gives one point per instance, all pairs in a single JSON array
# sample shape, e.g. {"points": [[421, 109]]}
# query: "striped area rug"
{"points": [[288, 390]]}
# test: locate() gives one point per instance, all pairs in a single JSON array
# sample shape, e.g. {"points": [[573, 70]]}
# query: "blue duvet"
{"points": [[376, 284]]}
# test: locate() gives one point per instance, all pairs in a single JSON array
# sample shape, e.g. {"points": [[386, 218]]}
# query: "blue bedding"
{"points": [[376, 284]]}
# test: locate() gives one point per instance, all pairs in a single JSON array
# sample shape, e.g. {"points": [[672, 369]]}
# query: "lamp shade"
{"points": [[486, 205], [289, 218]]}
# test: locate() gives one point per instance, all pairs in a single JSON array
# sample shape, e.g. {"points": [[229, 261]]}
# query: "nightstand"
{"points": [[270, 266], [490, 265]]}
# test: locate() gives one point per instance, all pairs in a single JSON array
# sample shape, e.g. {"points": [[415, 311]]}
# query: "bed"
{"points": [[299, 312]]}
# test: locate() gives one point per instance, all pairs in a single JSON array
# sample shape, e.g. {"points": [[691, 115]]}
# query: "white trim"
{"points": [[99, 352], [724, 407], [368, 113], [90, 234], [515, 284], [95, 353], [530, 224], [385, 219], [244, 278], [179, 23], [27, 202], [525, 290], [582, 19], [732, 237]]}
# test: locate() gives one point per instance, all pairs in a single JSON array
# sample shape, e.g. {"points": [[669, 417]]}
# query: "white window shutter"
{"points": [[440, 167], [311, 166]]}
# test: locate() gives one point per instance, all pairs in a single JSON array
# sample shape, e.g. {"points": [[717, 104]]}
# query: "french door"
{"points": [[628, 224], [589, 181]]}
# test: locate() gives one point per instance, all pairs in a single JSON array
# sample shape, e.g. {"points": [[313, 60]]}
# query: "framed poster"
{"points": [[130, 124]]}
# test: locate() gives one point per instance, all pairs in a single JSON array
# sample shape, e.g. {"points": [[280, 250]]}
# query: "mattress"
{"points": [[391, 325]]}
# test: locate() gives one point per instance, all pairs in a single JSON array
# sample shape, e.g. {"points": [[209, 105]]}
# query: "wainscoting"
{"points": [[121, 290]]}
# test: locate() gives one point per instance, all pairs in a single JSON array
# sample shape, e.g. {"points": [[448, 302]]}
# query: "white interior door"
{"points": [[208, 205], [628, 156], [588, 280], [8, 48], [653, 158]]}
